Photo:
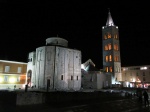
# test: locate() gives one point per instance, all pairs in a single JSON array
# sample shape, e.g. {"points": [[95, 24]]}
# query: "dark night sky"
{"points": [[24, 26]]}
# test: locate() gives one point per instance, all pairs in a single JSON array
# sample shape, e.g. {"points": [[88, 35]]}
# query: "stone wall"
{"points": [[28, 98]]}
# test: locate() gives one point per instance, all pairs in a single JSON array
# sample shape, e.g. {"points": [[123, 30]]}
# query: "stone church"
{"points": [[54, 66]]}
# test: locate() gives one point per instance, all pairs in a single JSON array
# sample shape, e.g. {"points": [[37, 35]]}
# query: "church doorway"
{"points": [[29, 76], [48, 84]]}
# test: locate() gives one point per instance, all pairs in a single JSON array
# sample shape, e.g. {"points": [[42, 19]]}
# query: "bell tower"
{"points": [[111, 52]]}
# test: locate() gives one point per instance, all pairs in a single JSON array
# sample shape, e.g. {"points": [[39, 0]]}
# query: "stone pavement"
{"points": [[125, 105]]}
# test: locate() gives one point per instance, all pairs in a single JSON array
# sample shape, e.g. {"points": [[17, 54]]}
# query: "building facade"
{"points": [[12, 74], [55, 66], [92, 78], [136, 76]]}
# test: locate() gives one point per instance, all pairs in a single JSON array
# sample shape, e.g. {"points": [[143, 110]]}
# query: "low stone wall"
{"points": [[29, 98], [54, 98]]}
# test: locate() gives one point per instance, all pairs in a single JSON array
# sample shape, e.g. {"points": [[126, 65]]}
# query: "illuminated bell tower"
{"points": [[111, 52]]}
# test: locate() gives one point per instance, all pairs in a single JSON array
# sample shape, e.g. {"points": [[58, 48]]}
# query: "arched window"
{"points": [[115, 36], [109, 35], [116, 47], [106, 47], [105, 37], [110, 69], [116, 58], [109, 46], [106, 58], [110, 57], [106, 69]]}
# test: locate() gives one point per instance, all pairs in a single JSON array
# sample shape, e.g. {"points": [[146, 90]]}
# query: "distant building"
{"points": [[12, 74], [136, 76], [55, 66]]}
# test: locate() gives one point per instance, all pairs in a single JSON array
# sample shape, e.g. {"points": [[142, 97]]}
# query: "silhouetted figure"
{"points": [[14, 87], [145, 94], [26, 88]]}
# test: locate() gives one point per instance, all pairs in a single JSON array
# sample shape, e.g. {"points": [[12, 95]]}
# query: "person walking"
{"points": [[146, 97]]}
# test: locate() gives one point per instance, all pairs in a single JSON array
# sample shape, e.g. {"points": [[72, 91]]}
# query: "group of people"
{"points": [[145, 95]]}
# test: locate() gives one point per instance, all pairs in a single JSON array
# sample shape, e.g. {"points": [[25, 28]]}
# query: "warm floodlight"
{"points": [[12, 80], [1, 79]]}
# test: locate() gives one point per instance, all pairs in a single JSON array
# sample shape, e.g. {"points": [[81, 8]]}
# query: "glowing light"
{"points": [[1, 79], [143, 68], [124, 69], [82, 66], [133, 80], [12, 80]]}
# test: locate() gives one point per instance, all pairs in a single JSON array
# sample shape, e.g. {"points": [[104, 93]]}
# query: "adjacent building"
{"points": [[12, 74], [92, 78], [136, 76]]}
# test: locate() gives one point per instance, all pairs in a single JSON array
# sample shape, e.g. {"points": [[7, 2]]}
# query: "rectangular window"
{"points": [[143, 73], [61, 77], [7, 68], [5, 78], [19, 70]]}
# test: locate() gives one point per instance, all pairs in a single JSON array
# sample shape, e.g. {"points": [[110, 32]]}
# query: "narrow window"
{"points": [[105, 37], [106, 69], [109, 35], [114, 46], [77, 77], [117, 47], [106, 58], [61, 77], [71, 77], [110, 57], [110, 69], [115, 36], [106, 47], [109, 46]]}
